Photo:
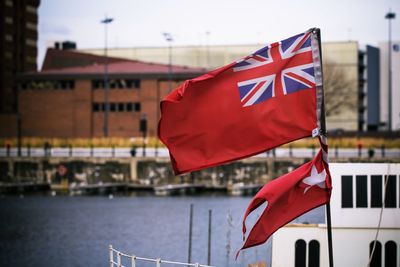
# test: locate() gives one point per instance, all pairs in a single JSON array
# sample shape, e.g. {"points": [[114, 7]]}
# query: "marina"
{"points": [[148, 226]]}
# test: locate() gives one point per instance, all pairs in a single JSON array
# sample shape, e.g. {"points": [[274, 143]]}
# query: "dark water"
{"points": [[76, 231]]}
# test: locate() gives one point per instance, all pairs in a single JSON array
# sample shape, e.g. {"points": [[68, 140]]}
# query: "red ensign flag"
{"points": [[288, 197], [267, 99]]}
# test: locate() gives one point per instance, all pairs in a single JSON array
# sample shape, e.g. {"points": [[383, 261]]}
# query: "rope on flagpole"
{"points": [[317, 55], [380, 217]]}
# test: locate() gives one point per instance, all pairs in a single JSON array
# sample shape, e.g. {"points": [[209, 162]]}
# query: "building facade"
{"points": [[384, 93], [72, 102], [342, 58], [18, 47], [371, 90]]}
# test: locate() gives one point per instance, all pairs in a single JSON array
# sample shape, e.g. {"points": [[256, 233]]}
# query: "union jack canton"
{"points": [[282, 68]]}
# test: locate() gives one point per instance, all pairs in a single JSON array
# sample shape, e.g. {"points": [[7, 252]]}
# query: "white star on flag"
{"points": [[315, 178]]}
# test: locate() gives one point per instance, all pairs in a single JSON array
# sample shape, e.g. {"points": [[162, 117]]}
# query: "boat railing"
{"points": [[117, 257]]}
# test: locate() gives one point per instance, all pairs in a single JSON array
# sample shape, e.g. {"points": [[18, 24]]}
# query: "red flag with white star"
{"points": [[288, 197]]}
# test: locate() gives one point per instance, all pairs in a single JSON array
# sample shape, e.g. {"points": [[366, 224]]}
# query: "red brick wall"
{"points": [[56, 113], [8, 125], [68, 113]]}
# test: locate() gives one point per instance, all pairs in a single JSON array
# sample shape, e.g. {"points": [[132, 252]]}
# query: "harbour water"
{"points": [[76, 231]]}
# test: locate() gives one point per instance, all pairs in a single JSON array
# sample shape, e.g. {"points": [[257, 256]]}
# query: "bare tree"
{"points": [[339, 90]]}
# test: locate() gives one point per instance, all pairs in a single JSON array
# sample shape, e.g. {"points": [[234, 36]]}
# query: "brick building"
{"points": [[70, 102], [18, 48]]}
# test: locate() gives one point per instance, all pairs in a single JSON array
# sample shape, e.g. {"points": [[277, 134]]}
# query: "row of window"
{"points": [[117, 84], [117, 107], [54, 84], [376, 186], [390, 253], [300, 254], [70, 84]]}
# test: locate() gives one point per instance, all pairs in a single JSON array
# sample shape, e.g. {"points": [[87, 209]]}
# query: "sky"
{"points": [[201, 22]]}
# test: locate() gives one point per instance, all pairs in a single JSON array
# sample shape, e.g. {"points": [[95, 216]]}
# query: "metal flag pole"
{"points": [[323, 132]]}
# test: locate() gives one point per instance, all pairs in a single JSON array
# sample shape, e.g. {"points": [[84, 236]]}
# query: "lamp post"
{"points": [[143, 130], [208, 49], [169, 39], [389, 16], [106, 21], [19, 134]]}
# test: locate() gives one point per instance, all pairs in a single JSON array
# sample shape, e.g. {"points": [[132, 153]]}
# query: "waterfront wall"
{"points": [[146, 171]]}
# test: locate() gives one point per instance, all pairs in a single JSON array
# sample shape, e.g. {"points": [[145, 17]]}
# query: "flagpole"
{"points": [[317, 31]]}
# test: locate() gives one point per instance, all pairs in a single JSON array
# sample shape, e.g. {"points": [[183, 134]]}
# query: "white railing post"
{"points": [[111, 256], [119, 259], [117, 262], [133, 260]]}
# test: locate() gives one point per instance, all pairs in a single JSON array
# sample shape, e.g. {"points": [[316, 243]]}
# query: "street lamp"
{"points": [[169, 39], [208, 49], [143, 130], [106, 21], [389, 16]]}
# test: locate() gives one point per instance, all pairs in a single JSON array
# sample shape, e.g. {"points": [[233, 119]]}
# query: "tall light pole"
{"points": [[389, 16], [208, 49], [169, 39], [106, 21]]}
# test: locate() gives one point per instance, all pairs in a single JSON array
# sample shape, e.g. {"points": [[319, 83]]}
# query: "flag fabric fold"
{"points": [[262, 101], [289, 196]]}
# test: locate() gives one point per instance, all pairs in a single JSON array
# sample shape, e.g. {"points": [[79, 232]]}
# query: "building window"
{"points": [[31, 60], [300, 253], [121, 107], [129, 106], [376, 260], [57, 84], [390, 195], [9, 20], [8, 38], [116, 107], [376, 191], [137, 106], [347, 191], [8, 55], [117, 84], [96, 107], [30, 42], [361, 191], [30, 9], [95, 84], [133, 83], [390, 254], [31, 26], [313, 253]]}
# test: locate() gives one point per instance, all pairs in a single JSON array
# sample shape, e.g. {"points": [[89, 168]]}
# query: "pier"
{"points": [[137, 175]]}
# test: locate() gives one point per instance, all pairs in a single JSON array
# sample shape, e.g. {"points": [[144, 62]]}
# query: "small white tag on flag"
{"points": [[315, 132]]}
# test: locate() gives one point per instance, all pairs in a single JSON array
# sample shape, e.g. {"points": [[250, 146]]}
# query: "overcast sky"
{"points": [[141, 23]]}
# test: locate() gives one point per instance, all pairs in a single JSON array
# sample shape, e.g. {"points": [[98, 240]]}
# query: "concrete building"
{"points": [[371, 90], [339, 55], [356, 204], [209, 57], [18, 48], [70, 102], [384, 93], [341, 65]]}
